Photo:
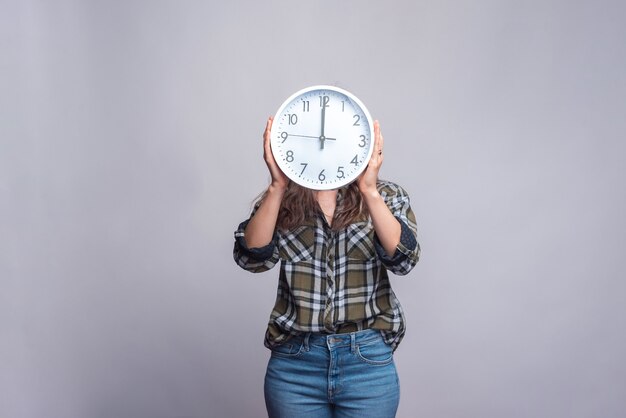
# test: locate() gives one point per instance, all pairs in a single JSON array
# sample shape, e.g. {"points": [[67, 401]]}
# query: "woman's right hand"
{"points": [[260, 230], [279, 179]]}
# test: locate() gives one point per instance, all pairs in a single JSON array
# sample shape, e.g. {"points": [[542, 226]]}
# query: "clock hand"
{"points": [[305, 136], [325, 99], [308, 136]]}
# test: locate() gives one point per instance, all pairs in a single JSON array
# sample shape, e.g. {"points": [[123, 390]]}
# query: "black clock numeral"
{"points": [[343, 105], [340, 173], [305, 105], [303, 168], [322, 176], [356, 122], [293, 118], [363, 141], [289, 156], [324, 101], [355, 160], [284, 136]]}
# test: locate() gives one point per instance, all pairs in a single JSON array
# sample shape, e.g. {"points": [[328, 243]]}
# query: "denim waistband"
{"points": [[338, 340]]}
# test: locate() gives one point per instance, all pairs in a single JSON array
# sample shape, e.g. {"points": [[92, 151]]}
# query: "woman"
{"points": [[336, 321]]}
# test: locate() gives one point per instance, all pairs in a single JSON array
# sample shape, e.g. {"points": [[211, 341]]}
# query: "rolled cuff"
{"points": [[408, 244], [256, 253]]}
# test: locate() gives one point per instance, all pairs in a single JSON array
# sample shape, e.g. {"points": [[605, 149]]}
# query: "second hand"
{"points": [[310, 136]]}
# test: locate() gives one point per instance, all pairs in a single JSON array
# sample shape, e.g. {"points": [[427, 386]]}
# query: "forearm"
{"points": [[260, 230], [387, 227]]}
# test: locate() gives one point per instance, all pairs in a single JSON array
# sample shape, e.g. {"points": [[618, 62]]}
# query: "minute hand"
{"points": [[323, 138], [323, 123]]}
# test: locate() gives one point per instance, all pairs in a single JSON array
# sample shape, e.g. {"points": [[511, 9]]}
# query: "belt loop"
{"points": [[306, 341], [352, 342]]}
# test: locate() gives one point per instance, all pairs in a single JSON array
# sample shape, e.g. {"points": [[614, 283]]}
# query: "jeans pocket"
{"points": [[288, 349], [376, 353]]}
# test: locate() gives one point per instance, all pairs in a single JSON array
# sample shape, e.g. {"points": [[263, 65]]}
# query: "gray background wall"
{"points": [[130, 148]]}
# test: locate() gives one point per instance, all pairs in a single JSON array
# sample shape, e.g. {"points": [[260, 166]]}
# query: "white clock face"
{"points": [[322, 137]]}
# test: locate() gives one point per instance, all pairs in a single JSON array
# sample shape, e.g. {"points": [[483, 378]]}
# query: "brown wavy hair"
{"points": [[299, 206]]}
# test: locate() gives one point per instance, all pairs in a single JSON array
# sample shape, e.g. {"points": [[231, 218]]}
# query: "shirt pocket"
{"points": [[297, 245], [360, 241]]}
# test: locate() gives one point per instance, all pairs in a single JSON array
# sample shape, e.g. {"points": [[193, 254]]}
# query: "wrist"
{"points": [[369, 194], [277, 190]]}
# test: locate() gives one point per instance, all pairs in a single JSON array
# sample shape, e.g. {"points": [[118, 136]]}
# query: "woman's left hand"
{"points": [[367, 181]]}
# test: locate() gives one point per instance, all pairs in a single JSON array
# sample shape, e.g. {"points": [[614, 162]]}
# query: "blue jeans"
{"points": [[340, 375]]}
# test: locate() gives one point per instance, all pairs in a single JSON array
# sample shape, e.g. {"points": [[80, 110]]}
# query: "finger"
{"points": [[268, 128], [375, 147], [376, 132], [378, 143]]}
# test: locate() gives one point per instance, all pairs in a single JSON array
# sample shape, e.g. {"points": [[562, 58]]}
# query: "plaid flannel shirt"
{"points": [[335, 281]]}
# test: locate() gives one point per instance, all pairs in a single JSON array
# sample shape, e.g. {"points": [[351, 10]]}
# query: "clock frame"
{"points": [[322, 137]]}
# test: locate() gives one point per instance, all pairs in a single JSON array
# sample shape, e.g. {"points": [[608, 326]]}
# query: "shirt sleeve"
{"points": [[408, 250], [255, 260]]}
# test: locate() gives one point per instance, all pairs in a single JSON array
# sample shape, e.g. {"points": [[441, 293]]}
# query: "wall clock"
{"points": [[322, 137]]}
